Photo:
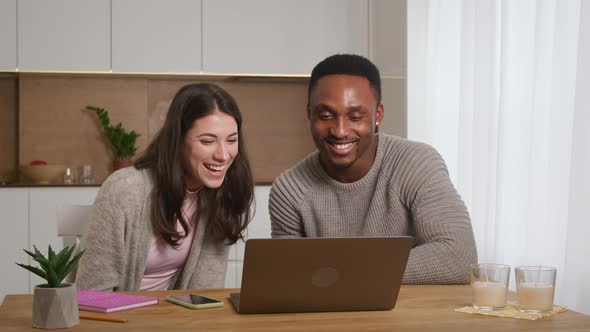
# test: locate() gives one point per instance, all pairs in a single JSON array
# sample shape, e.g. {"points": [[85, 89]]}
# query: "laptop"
{"points": [[321, 274]]}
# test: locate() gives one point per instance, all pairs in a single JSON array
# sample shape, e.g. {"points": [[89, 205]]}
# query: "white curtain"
{"points": [[501, 89]]}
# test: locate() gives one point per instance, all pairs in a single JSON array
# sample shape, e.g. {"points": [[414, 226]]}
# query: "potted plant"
{"points": [[55, 305], [122, 141]]}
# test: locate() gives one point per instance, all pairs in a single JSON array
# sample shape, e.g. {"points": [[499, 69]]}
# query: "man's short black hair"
{"points": [[347, 64]]}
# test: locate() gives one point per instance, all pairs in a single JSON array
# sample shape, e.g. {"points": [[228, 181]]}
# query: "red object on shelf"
{"points": [[38, 162]]}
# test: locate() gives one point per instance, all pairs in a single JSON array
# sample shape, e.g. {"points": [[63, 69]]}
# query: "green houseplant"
{"points": [[55, 304], [122, 141]]}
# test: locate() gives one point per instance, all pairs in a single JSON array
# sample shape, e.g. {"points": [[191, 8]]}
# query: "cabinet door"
{"points": [[280, 36], [14, 238], [8, 35], [43, 205], [164, 36], [231, 278], [259, 228], [64, 35]]}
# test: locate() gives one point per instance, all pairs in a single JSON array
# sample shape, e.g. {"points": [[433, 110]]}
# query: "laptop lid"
{"points": [[322, 274]]}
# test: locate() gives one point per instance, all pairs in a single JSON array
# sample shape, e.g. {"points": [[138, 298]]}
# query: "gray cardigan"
{"points": [[119, 234]]}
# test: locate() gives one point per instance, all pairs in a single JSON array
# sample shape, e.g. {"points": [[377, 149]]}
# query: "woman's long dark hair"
{"points": [[227, 208]]}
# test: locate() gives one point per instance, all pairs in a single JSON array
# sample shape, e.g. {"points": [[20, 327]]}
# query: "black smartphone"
{"points": [[194, 301]]}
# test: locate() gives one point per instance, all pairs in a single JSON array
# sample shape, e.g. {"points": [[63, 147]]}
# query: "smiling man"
{"points": [[363, 183]]}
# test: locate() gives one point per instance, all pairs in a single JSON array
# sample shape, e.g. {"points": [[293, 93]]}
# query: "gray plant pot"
{"points": [[55, 308]]}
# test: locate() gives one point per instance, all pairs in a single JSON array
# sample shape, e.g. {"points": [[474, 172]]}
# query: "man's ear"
{"points": [[379, 115]]}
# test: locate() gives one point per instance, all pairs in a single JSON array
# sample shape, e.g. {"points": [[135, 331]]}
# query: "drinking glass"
{"points": [[489, 285], [71, 175], [535, 288], [87, 176]]}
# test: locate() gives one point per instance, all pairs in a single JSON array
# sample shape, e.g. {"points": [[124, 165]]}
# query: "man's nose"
{"points": [[340, 129]]}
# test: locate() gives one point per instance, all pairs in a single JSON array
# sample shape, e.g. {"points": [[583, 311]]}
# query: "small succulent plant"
{"points": [[54, 267]]}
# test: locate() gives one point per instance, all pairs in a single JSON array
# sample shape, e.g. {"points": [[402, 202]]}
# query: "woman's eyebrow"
{"points": [[215, 136], [207, 134]]}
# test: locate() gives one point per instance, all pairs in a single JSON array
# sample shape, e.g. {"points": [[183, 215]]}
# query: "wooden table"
{"points": [[419, 308]]}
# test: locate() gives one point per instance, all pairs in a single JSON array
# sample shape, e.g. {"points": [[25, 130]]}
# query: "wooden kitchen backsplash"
{"points": [[54, 127], [8, 113]]}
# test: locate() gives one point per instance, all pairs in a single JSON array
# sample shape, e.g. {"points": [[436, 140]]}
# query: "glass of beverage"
{"points": [[71, 176], [87, 176], [489, 285], [535, 288]]}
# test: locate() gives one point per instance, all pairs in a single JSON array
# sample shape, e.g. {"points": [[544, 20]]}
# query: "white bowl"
{"points": [[43, 173]]}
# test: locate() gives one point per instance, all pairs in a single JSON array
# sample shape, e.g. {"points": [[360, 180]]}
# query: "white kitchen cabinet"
{"points": [[280, 36], [181, 36], [259, 228], [30, 217], [64, 35], [8, 35], [231, 277], [43, 205], [164, 36], [14, 238]]}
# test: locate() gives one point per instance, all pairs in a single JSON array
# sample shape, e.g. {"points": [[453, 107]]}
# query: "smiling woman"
{"points": [[209, 148], [166, 222]]}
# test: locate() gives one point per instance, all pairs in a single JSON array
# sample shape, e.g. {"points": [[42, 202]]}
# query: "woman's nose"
{"points": [[221, 153]]}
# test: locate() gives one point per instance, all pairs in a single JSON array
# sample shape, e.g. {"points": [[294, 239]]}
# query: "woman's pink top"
{"points": [[163, 260]]}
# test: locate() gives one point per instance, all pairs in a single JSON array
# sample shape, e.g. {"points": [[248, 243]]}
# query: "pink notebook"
{"points": [[91, 300]]}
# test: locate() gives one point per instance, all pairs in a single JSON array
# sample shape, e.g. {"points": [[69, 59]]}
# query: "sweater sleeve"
{"points": [[285, 197], [445, 245], [102, 263]]}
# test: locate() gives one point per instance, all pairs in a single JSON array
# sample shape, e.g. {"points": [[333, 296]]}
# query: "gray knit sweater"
{"points": [[407, 191], [119, 235]]}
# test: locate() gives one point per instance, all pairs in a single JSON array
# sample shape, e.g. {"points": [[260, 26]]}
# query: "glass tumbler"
{"points": [[489, 285], [535, 288]]}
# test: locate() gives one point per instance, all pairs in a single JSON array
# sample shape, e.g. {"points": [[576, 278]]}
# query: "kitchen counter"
{"points": [[48, 185], [62, 185]]}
